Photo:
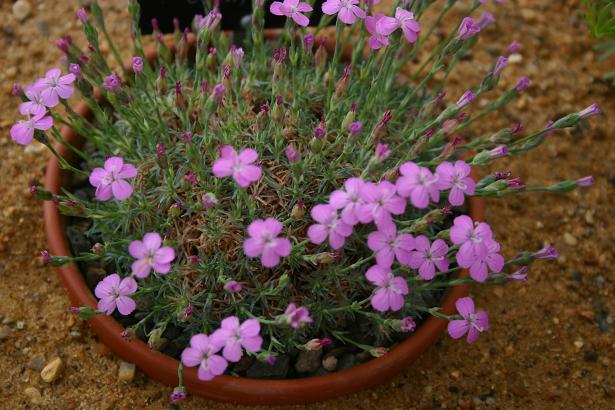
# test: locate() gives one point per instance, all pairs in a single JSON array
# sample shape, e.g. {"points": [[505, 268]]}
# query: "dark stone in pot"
{"points": [[308, 361], [278, 370]]}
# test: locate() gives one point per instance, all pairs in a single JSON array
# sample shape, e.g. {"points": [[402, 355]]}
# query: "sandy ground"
{"points": [[551, 341]]}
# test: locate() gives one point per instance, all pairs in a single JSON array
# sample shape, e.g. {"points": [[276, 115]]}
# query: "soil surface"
{"points": [[551, 341]]}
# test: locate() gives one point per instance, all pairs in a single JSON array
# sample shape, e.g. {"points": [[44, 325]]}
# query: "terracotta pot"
{"points": [[229, 388]]}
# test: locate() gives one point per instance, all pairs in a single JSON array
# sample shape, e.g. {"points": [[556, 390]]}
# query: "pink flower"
{"points": [[347, 10], [297, 317], [23, 132], [472, 239], [348, 200], [239, 166], [428, 256], [380, 201], [480, 264], [404, 19], [54, 86], [202, 353], [456, 178], [150, 254], [388, 245], [390, 290], [473, 323], [264, 242], [109, 181], [113, 292], [232, 286], [35, 104], [418, 183], [293, 9], [377, 39], [329, 225], [234, 336]]}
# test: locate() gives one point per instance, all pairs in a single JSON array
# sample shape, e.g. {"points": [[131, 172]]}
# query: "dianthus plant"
{"points": [[260, 198]]}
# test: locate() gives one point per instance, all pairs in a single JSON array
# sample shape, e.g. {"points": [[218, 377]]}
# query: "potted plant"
{"points": [[272, 225]]}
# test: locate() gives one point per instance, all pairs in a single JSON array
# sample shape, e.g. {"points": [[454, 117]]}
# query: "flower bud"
{"points": [[378, 351], [349, 118], [185, 314], [592, 110], [186, 136], [161, 81], [320, 58], [218, 92], [585, 182], [382, 152], [41, 193], [98, 248], [128, 334], [355, 128], [17, 91], [82, 15], [137, 65], [209, 200], [317, 344], [485, 20], [180, 100], [522, 84], [465, 99], [298, 210], [190, 178], [520, 275], [292, 155], [513, 48], [407, 324], [155, 340], [178, 394], [175, 210], [548, 253], [467, 29]]}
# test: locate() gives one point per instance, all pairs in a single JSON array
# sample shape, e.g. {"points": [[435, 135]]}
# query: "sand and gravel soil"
{"points": [[551, 343]]}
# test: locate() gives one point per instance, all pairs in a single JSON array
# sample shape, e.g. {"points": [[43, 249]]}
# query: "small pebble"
{"points": [[35, 148], [20, 325], [590, 356], [126, 372], [5, 332], [53, 370], [10, 73], [330, 363], [21, 10], [37, 362], [570, 239], [515, 58], [33, 395], [308, 361]]}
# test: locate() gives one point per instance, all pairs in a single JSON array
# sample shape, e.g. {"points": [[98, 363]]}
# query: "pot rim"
{"points": [[231, 389]]}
